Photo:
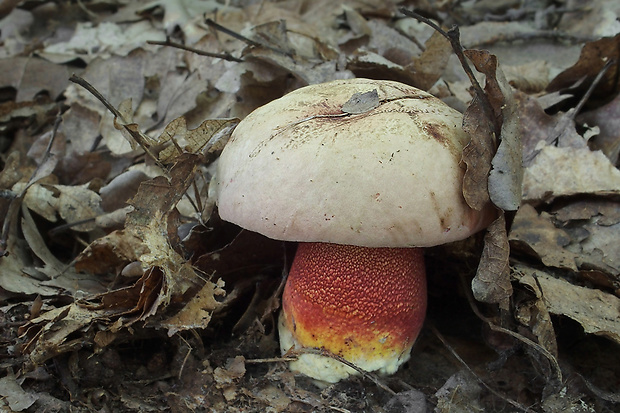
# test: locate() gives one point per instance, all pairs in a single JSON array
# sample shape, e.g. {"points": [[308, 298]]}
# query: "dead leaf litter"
{"points": [[122, 290]]}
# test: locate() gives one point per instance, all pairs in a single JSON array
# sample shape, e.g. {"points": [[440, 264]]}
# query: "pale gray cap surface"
{"points": [[300, 169]]}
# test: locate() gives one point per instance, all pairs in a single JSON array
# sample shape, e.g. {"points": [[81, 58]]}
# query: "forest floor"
{"points": [[121, 289]]}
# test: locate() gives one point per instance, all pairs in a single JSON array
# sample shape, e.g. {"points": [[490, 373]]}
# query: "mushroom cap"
{"points": [[301, 169]]}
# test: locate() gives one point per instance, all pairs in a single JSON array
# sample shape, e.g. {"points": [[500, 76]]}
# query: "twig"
{"points": [[64, 227], [605, 395], [198, 200], [168, 43], [82, 82], [329, 354], [414, 39], [455, 355], [539, 34], [191, 201], [16, 201], [518, 14], [229, 32], [271, 360], [189, 351], [48, 149], [339, 409], [593, 85], [521, 338], [91, 15], [453, 37], [138, 137], [568, 118], [247, 40]]}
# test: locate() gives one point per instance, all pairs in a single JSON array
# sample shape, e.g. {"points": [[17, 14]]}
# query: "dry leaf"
{"points": [[357, 23], [110, 253], [569, 171], [536, 126], [361, 102], [594, 228], [594, 56], [104, 39], [529, 229], [50, 333], [184, 15], [40, 199], [607, 119], [114, 219], [82, 124], [15, 280], [200, 141], [30, 76], [196, 313], [604, 211], [78, 203], [280, 64], [372, 65], [460, 393], [506, 174], [480, 125], [600, 20], [17, 398], [530, 77], [11, 173], [477, 155], [53, 267], [429, 66], [273, 397], [164, 266], [407, 401], [15, 259], [492, 281], [274, 35], [600, 249], [596, 311], [133, 303], [233, 370], [121, 188], [535, 315], [168, 274], [153, 204]]}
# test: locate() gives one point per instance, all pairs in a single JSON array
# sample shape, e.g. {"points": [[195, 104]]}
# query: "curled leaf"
{"points": [[506, 175], [492, 281], [477, 155]]}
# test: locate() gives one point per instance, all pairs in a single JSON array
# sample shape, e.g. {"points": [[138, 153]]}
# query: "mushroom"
{"points": [[361, 184]]}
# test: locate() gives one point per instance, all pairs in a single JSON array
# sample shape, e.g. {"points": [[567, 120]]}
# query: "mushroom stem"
{"points": [[366, 305]]}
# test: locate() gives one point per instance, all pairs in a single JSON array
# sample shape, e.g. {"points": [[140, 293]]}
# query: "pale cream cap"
{"points": [[300, 169]]}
